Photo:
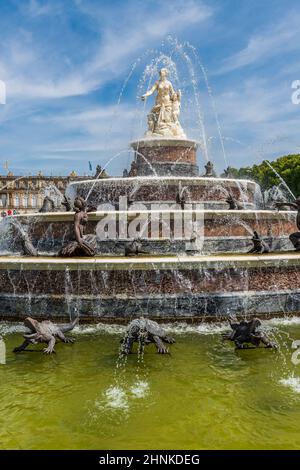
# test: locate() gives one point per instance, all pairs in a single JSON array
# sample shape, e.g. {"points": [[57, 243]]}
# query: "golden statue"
{"points": [[163, 119]]}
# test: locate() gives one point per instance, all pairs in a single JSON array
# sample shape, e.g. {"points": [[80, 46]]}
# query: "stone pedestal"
{"points": [[166, 157]]}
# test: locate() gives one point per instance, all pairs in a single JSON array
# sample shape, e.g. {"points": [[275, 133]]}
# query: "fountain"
{"points": [[194, 261]]}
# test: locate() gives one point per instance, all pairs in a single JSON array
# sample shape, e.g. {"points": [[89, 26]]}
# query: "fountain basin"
{"points": [[211, 192], [164, 288], [219, 230]]}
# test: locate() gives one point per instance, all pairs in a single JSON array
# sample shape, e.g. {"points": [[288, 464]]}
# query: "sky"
{"points": [[74, 71]]}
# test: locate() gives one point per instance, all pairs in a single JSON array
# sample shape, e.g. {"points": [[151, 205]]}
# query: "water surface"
{"points": [[205, 395]]}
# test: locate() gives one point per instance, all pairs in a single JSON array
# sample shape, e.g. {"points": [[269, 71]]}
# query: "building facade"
{"points": [[24, 194]]}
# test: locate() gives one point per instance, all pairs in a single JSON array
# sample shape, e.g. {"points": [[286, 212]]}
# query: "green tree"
{"points": [[288, 167]]}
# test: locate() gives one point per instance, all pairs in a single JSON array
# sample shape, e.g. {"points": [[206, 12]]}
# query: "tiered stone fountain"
{"points": [[204, 273]]}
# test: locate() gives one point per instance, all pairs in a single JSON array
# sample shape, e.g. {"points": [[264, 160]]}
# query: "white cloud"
{"points": [[258, 121], [29, 75], [40, 125], [92, 127], [255, 101], [274, 40], [146, 28], [22, 88], [2, 92]]}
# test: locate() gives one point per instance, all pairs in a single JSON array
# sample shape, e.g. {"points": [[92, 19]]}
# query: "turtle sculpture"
{"points": [[144, 331], [247, 332], [259, 245], [45, 332]]}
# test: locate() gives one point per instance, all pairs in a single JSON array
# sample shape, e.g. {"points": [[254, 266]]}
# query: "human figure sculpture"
{"points": [[45, 332], [247, 332], [144, 331], [209, 170], [176, 106], [259, 245], [163, 119], [294, 237], [83, 245]]}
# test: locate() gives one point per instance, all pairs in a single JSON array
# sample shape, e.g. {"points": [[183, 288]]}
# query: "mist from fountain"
{"points": [[280, 178]]}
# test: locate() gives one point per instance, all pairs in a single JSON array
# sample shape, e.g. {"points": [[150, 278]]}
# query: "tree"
{"points": [[288, 167]]}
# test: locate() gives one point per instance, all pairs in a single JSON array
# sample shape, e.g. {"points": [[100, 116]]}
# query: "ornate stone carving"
{"points": [[209, 170]]}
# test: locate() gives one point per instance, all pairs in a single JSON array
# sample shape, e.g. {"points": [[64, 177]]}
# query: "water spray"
{"points": [[281, 179]]}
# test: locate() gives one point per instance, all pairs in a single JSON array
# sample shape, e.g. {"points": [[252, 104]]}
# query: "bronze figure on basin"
{"points": [[144, 331], [247, 332], [294, 237], [259, 245], [83, 245]]}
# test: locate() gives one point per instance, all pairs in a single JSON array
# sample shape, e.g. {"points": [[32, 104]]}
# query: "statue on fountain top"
{"points": [[163, 119]]}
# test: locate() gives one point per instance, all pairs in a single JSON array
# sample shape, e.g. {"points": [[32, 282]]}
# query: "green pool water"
{"points": [[205, 395]]}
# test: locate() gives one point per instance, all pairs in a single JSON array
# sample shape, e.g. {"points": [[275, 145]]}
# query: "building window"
{"points": [[25, 201], [33, 201], [17, 201], [4, 199]]}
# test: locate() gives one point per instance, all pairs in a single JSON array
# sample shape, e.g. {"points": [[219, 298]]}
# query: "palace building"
{"points": [[24, 194]]}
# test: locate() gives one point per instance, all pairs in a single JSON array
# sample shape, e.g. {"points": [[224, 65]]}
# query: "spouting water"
{"points": [[102, 170], [281, 179]]}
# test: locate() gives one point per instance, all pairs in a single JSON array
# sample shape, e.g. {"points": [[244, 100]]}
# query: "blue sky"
{"points": [[74, 71]]}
